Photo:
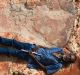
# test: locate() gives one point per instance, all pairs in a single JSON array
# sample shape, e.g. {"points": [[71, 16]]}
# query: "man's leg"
{"points": [[14, 52], [16, 44]]}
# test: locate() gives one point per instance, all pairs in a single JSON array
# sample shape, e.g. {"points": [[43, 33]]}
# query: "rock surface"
{"points": [[44, 22]]}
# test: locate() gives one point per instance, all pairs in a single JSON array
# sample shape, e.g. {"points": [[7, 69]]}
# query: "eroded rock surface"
{"points": [[45, 22]]}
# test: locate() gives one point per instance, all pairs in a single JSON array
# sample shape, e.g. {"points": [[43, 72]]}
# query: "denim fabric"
{"points": [[16, 44], [14, 52], [43, 55]]}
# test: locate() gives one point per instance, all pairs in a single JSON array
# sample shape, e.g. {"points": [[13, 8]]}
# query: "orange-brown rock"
{"points": [[47, 22], [44, 22]]}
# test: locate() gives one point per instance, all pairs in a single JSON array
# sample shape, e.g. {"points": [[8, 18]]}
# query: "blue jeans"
{"points": [[16, 44]]}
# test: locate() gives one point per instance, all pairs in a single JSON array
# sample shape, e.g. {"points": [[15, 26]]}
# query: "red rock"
{"points": [[47, 23], [3, 4], [3, 68], [78, 36]]}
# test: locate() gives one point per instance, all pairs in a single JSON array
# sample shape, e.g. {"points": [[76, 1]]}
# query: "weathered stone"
{"points": [[51, 24], [44, 22], [3, 68], [68, 5]]}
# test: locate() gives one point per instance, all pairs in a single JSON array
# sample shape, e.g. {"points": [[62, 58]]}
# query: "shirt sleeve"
{"points": [[53, 68], [31, 64], [55, 50]]}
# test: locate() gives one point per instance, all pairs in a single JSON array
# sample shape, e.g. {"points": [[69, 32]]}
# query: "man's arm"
{"points": [[56, 50], [52, 68]]}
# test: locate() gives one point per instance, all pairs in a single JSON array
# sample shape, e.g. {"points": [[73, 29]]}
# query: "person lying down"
{"points": [[50, 60]]}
